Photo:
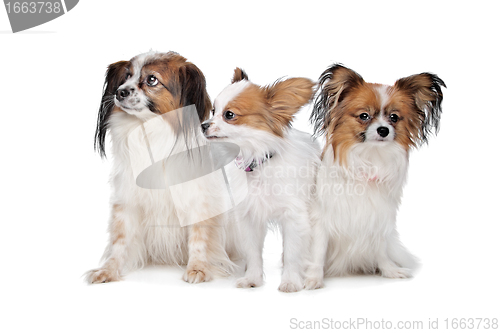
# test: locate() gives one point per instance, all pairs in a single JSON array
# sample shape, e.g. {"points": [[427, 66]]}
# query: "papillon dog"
{"points": [[146, 220], [370, 130], [279, 162]]}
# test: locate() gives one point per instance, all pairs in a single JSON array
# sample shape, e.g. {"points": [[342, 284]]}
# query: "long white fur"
{"points": [[354, 212], [279, 194], [153, 233]]}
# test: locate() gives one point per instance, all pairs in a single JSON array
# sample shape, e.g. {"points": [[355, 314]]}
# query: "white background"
{"points": [[54, 204]]}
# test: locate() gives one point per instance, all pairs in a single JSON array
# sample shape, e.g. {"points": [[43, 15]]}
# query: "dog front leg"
{"points": [[120, 234], [296, 233], [318, 247], [204, 241], [252, 238]]}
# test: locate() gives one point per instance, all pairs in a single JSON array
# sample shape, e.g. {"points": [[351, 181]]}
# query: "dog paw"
{"points": [[290, 287], [247, 282], [397, 273], [196, 273], [102, 276], [313, 283]]}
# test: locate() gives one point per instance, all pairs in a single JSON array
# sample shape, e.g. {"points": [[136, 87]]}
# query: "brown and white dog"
{"points": [[279, 163], [146, 223], [370, 130]]}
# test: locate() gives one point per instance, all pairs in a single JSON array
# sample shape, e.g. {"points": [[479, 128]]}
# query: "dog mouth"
{"points": [[214, 137], [384, 139], [130, 105], [127, 108]]}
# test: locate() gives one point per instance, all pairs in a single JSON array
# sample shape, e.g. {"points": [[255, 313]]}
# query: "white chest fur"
{"points": [[357, 207]]}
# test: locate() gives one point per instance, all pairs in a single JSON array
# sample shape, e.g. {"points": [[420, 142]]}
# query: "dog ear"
{"points": [[115, 76], [334, 83], [194, 90], [425, 92], [239, 74], [287, 97]]}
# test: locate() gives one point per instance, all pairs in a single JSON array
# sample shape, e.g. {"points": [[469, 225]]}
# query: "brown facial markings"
{"points": [[251, 110], [270, 108], [162, 99], [407, 128], [165, 95], [180, 83], [415, 99], [185, 86], [346, 127]]}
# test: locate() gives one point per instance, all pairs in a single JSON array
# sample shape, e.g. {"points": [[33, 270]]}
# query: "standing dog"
{"points": [[280, 164], [370, 130], [145, 225]]}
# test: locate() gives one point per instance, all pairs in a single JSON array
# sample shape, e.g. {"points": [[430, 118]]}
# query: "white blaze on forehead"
{"points": [[139, 61], [229, 93], [383, 92], [137, 64]]}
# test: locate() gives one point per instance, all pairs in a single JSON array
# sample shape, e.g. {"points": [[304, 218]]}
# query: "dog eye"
{"points": [[394, 118], [127, 76], [213, 111], [151, 80], [364, 116], [229, 115]]}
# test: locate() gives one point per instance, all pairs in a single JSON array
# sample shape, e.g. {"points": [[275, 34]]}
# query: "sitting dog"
{"points": [[144, 107], [370, 130]]}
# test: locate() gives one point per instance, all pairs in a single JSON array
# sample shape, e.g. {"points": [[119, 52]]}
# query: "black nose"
{"points": [[383, 131], [121, 94], [205, 126]]}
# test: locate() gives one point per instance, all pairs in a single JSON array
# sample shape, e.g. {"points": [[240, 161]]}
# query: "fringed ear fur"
{"points": [[287, 97], [426, 94], [115, 77], [333, 84], [194, 90]]}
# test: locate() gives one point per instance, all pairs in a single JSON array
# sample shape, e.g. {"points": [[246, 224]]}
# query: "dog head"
{"points": [[150, 84], [350, 110], [245, 113]]}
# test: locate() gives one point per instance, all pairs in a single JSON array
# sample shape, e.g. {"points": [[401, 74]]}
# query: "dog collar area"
{"points": [[240, 162]]}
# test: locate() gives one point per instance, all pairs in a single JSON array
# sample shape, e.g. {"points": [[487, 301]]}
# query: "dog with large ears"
{"points": [[145, 105], [370, 130], [280, 163]]}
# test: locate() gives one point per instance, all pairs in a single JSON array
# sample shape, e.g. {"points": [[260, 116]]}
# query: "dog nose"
{"points": [[205, 126], [121, 94], [383, 131]]}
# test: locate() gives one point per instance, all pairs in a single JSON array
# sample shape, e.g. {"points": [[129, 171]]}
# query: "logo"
{"points": [[28, 14], [168, 157]]}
